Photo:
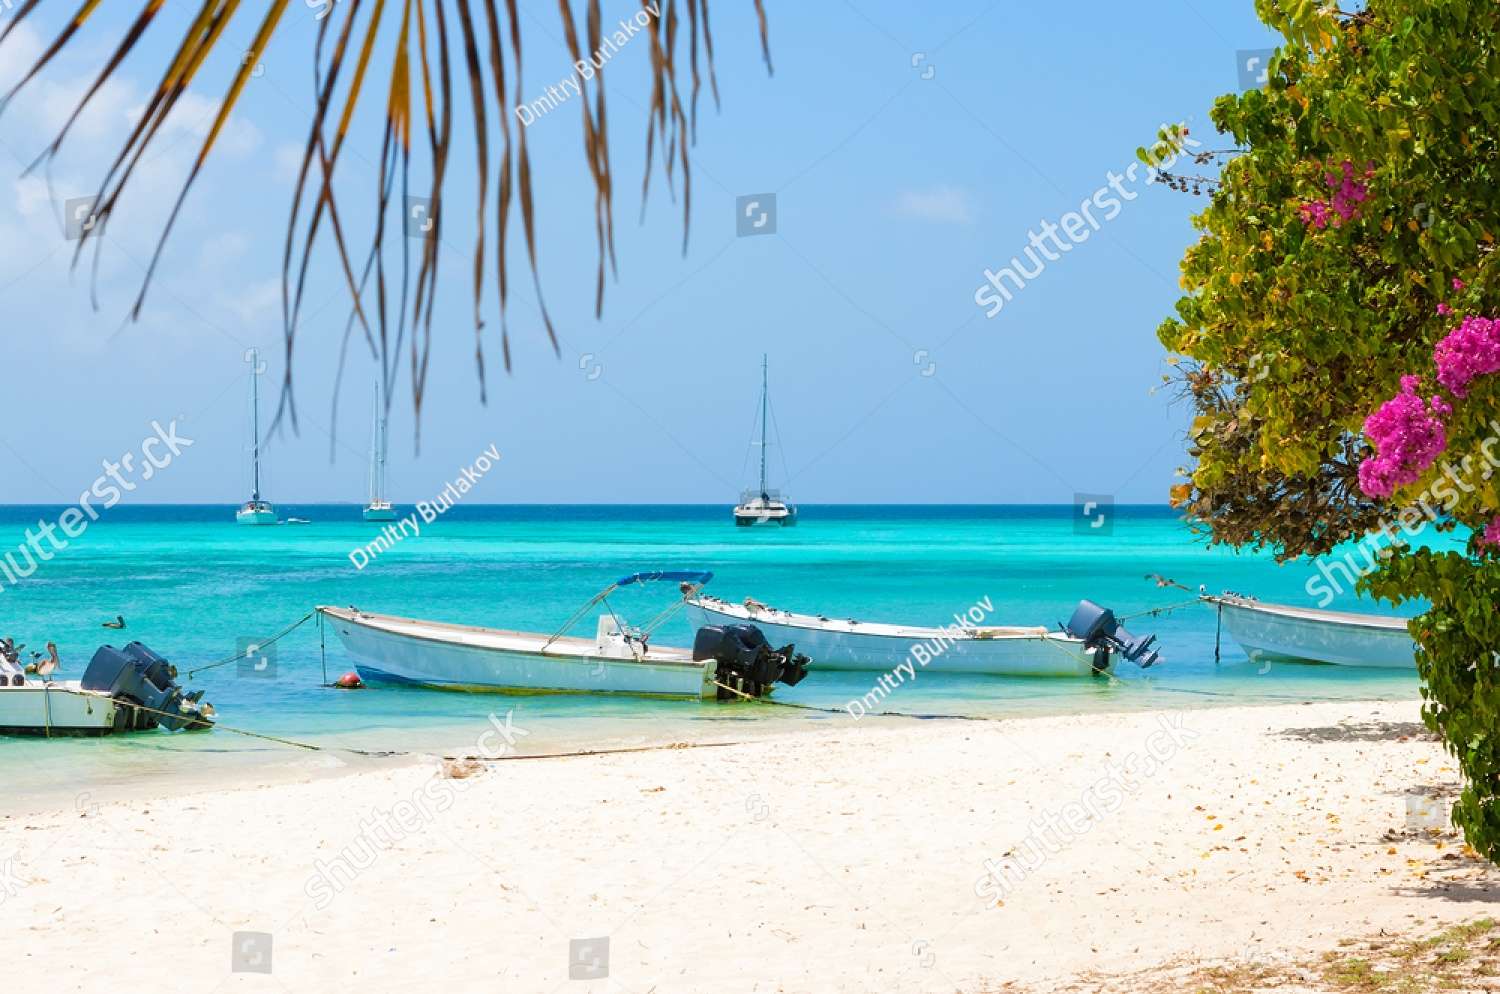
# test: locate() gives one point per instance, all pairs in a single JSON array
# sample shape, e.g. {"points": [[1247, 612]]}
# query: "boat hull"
{"points": [[838, 645], [1277, 633], [257, 517], [36, 709], [388, 649], [386, 513]]}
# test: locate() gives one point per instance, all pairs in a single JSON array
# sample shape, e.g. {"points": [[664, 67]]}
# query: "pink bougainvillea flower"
{"points": [[1458, 284], [1470, 350], [1348, 194], [1444, 310], [1490, 537], [1408, 436]]}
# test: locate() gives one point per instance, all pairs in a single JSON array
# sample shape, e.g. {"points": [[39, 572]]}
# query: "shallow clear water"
{"points": [[195, 587]]}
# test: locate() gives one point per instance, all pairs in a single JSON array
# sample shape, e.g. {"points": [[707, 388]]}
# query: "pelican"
{"points": [[119, 622]]}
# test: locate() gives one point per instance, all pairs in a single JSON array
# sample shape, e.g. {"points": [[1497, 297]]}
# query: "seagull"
{"points": [[119, 622]]}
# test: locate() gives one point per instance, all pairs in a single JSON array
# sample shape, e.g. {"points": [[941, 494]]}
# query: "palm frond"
{"points": [[388, 326]]}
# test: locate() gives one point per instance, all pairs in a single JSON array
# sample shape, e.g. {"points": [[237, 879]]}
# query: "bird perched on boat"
{"points": [[50, 665], [119, 622], [754, 604], [44, 667]]}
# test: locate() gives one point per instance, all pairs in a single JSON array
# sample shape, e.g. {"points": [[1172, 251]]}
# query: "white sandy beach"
{"points": [[842, 859]]}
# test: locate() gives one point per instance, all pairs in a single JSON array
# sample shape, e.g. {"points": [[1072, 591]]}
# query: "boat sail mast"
{"points": [[255, 511], [254, 426], [763, 403]]}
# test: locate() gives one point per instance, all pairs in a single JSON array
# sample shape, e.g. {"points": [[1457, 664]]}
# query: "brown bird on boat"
{"points": [[119, 622], [48, 666]]}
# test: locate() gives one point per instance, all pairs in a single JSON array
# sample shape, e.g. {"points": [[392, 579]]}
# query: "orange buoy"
{"points": [[349, 681]]}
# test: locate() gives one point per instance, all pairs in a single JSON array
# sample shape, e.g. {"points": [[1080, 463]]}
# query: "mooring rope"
{"points": [[256, 647]]}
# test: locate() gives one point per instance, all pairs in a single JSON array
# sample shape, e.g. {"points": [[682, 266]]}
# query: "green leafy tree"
{"points": [[1334, 337]]}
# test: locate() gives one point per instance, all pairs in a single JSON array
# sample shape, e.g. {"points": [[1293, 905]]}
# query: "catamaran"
{"points": [[763, 506], [255, 511], [1085, 646], [379, 509], [726, 662], [1285, 633]]}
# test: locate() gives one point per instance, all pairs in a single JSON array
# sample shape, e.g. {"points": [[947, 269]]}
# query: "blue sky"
{"points": [[908, 148]]}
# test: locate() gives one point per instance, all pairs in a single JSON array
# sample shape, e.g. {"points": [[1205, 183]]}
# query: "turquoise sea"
{"points": [[195, 587]]}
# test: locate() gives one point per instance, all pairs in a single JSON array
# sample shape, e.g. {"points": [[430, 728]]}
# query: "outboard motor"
{"points": [[136, 675], [746, 661], [1097, 628]]}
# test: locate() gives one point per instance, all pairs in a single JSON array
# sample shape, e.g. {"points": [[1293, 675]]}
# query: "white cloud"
{"points": [[939, 205]]}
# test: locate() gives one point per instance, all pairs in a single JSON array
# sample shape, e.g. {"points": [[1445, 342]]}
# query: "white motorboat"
{"points": [[763, 506], [379, 508], [1082, 648], [122, 690], [1284, 633], [60, 707], [255, 511], [618, 660]]}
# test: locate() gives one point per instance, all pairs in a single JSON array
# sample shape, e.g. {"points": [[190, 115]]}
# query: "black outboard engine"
{"points": [[136, 675], [1099, 630], [747, 663]]}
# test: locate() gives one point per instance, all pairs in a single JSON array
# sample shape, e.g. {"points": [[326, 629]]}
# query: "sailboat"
{"points": [[255, 511], [763, 506], [379, 509]]}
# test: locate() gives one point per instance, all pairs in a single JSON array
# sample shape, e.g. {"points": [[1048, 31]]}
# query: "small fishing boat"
{"points": [[1083, 647], [725, 661], [123, 690], [255, 511], [763, 506], [379, 509], [1284, 633]]}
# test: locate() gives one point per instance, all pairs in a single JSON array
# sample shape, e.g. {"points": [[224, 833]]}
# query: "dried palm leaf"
{"points": [[337, 94]]}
